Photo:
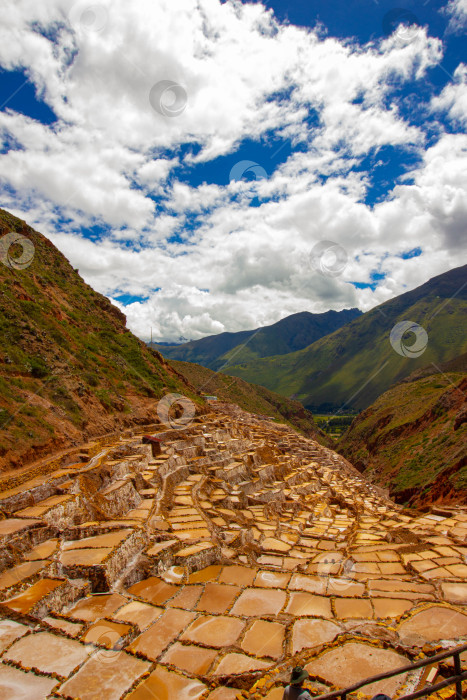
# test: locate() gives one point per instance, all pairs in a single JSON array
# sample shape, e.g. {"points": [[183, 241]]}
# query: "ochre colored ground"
{"points": [[211, 569]]}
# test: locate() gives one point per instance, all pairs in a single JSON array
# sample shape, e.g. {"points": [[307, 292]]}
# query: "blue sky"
{"points": [[190, 161]]}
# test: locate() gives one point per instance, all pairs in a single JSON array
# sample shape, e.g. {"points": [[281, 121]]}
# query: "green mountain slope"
{"points": [[207, 351], [351, 367], [413, 439], [290, 334], [69, 368], [251, 397]]}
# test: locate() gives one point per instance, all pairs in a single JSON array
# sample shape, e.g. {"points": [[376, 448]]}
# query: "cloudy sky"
{"points": [[216, 166]]}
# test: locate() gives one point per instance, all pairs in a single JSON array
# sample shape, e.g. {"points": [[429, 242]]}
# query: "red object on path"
{"points": [[154, 442]]}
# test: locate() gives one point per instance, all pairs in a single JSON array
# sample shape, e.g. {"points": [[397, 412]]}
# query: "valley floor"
{"points": [[209, 566]]}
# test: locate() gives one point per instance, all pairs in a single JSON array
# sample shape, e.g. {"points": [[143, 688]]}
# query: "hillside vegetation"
{"points": [[351, 367], [291, 333], [413, 439], [69, 368], [251, 397]]}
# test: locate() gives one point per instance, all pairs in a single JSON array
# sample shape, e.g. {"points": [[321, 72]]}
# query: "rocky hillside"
{"points": [[351, 367], [69, 368], [413, 439], [291, 333], [253, 398]]}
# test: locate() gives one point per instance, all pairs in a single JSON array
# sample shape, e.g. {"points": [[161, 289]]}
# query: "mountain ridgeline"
{"points": [[350, 368], [288, 335]]}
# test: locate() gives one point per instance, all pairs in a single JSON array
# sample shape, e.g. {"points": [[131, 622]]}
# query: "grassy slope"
{"points": [[291, 333], [413, 438], [68, 366], [250, 397], [356, 363]]}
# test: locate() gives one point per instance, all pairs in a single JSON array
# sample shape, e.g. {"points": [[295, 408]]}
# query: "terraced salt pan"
{"points": [[217, 598], [48, 653], [167, 684], [259, 602], [26, 601], [264, 639], [219, 631], [111, 635], [434, 623], [154, 640], [17, 574], [140, 614], [12, 526], [353, 662], [10, 631], [296, 555], [190, 658], [19, 685], [109, 539], [153, 590], [187, 598], [105, 677], [97, 606]]}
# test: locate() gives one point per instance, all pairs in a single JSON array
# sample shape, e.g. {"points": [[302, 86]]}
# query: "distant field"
{"points": [[334, 425]]}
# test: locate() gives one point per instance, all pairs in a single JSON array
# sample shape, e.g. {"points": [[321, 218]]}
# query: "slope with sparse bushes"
{"points": [[69, 367], [252, 397], [413, 438]]}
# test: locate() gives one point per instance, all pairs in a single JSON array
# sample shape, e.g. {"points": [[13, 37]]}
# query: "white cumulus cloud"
{"points": [[206, 254]]}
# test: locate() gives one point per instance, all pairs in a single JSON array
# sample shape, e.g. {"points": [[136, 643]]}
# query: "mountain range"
{"points": [[291, 333], [347, 368]]}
